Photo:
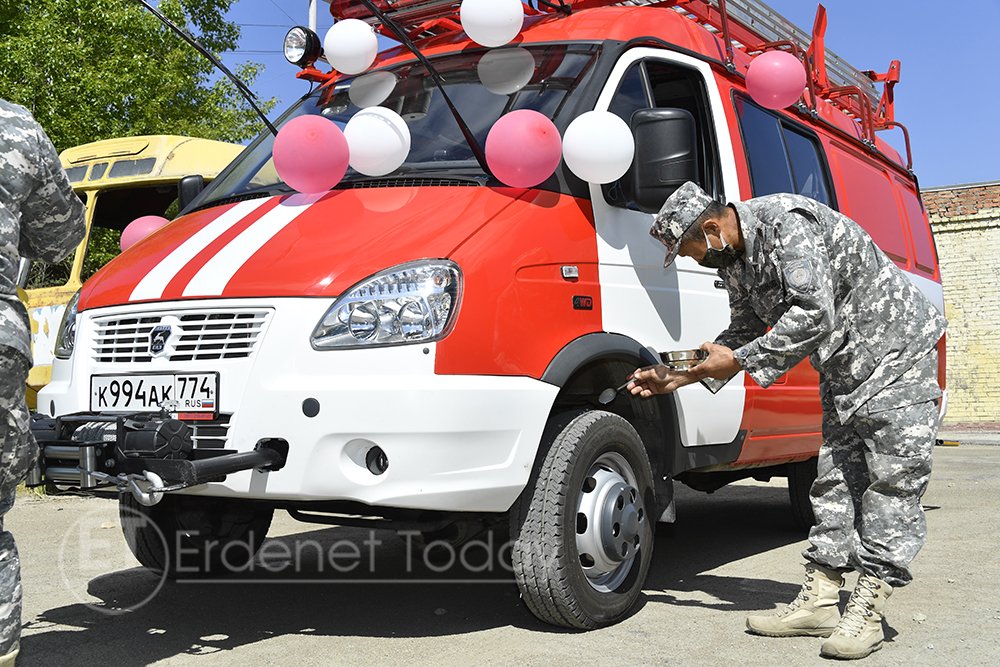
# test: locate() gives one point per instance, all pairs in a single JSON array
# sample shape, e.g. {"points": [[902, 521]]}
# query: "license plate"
{"points": [[181, 392]]}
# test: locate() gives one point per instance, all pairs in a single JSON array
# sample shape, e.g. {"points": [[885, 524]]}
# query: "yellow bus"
{"points": [[118, 180]]}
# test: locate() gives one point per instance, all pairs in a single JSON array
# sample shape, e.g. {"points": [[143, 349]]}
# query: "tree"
{"points": [[98, 69]]}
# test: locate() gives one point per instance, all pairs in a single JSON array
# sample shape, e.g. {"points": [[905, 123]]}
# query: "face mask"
{"points": [[719, 258]]}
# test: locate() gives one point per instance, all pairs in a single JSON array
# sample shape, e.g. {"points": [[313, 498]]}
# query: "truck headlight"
{"points": [[66, 338], [414, 302]]}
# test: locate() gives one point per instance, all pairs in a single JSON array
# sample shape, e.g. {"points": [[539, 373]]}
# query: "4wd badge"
{"points": [[158, 339]]}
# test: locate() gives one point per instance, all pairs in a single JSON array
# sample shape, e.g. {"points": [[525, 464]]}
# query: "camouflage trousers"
{"points": [[871, 473], [17, 453]]}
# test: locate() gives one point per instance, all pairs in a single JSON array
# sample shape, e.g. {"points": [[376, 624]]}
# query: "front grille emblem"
{"points": [[158, 339]]}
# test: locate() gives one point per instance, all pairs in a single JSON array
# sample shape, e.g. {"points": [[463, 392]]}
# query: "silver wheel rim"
{"points": [[609, 520]]}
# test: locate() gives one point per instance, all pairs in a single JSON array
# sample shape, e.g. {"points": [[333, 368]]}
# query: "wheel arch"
{"points": [[593, 362]]}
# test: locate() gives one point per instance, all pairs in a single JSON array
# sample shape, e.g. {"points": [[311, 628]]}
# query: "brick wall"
{"points": [[966, 224]]}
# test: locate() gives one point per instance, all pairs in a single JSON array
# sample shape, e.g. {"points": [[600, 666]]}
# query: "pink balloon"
{"points": [[311, 154], [523, 148], [776, 79], [139, 229]]}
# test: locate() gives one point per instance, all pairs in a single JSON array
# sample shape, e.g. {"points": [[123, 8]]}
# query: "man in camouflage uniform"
{"points": [[827, 292], [40, 218]]}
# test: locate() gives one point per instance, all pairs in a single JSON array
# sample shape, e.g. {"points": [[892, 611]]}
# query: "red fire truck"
{"points": [[426, 348]]}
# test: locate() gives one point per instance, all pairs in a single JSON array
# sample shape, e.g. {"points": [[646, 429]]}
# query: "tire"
{"points": [[801, 476], [213, 536], [585, 505]]}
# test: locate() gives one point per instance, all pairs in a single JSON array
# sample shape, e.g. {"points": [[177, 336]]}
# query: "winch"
{"points": [[147, 454]]}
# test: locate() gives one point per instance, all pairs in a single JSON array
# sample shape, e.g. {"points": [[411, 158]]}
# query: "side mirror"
{"points": [[188, 188], [666, 156]]}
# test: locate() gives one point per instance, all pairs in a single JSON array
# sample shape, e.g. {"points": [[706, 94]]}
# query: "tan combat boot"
{"points": [[9, 659], [813, 613], [859, 632]]}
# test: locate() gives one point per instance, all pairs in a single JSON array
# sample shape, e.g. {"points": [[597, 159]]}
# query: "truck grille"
{"points": [[201, 335]]}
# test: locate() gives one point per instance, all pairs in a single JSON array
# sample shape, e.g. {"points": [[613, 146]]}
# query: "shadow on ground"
{"points": [[731, 524], [397, 598]]}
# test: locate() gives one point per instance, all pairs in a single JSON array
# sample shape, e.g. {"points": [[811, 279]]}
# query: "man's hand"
{"points": [[720, 364], [652, 380], [647, 382]]}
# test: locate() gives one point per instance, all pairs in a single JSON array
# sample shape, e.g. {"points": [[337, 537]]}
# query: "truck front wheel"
{"points": [[191, 536], [582, 534]]}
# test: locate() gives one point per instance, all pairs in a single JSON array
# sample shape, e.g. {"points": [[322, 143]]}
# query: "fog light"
{"points": [[302, 46], [376, 461]]}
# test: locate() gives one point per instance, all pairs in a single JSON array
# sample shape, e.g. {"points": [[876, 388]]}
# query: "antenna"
{"points": [[187, 37]]}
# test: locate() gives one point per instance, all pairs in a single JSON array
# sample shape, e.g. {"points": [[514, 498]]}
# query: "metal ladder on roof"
{"points": [[748, 25], [752, 26], [771, 26], [754, 15]]}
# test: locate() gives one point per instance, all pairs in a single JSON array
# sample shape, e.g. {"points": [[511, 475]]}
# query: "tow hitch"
{"points": [[146, 455]]}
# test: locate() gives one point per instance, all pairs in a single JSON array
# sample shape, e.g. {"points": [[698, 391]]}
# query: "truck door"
{"points": [[685, 304]]}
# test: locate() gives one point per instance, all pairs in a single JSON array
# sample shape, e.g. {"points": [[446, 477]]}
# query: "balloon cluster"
{"points": [[523, 148], [312, 153]]}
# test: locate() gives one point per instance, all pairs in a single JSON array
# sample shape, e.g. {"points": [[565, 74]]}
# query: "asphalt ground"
{"points": [[730, 553]]}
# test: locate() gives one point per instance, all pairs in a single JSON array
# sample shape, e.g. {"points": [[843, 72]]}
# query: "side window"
{"points": [[807, 170], [675, 87], [657, 84], [782, 158], [631, 95]]}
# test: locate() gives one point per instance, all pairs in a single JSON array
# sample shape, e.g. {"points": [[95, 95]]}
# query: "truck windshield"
{"points": [[483, 85]]}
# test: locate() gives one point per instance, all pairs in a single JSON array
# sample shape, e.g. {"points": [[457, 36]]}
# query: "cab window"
{"points": [[782, 156], [114, 209], [658, 84]]}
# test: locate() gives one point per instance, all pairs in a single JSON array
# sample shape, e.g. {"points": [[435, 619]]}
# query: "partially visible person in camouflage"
{"points": [[40, 218], [826, 291]]}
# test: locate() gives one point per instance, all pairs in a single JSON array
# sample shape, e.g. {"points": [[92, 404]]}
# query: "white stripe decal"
{"points": [[153, 283], [211, 279]]}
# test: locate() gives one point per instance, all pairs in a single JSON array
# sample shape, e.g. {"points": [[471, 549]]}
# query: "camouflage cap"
{"points": [[679, 212]]}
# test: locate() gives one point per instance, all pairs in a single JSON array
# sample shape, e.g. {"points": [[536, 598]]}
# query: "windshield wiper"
{"points": [[470, 138], [243, 196]]}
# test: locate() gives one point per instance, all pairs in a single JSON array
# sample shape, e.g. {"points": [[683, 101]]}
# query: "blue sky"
{"points": [[948, 95]]}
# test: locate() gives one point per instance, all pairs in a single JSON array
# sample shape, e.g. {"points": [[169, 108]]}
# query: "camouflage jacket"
{"points": [[40, 216], [826, 291]]}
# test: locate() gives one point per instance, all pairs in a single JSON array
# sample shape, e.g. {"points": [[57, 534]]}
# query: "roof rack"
{"points": [[752, 27], [748, 25], [767, 26]]}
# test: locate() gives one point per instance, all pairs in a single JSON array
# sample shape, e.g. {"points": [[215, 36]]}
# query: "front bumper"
{"points": [[451, 442]]}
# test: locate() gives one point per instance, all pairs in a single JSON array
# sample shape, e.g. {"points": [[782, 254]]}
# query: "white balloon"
{"points": [[598, 147], [492, 22], [372, 89], [506, 71], [350, 46], [379, 140]]}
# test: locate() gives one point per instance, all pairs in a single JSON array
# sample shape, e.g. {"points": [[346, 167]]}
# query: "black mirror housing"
{"points": [[666, 156], [188, 188]]}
